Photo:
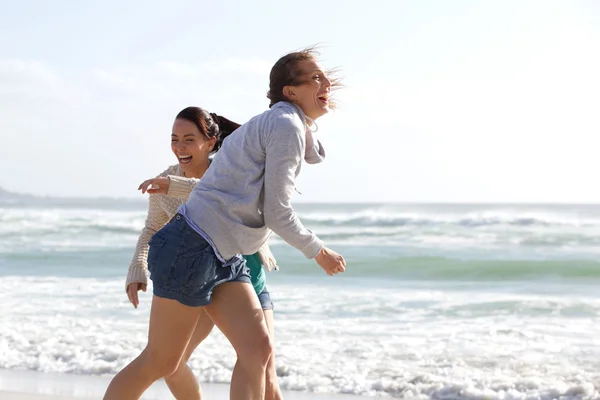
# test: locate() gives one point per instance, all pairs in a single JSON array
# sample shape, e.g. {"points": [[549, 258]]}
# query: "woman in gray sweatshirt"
{"points": [[195, 260]]}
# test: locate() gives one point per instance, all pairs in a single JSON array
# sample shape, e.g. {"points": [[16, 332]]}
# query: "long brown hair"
{"points": [[286, 72]]}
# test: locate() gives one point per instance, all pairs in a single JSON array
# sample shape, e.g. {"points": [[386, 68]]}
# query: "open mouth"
{"points": [[185, 159], [324, 98]]}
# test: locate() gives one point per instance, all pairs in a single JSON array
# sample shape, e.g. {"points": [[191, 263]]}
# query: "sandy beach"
{"points": [[28, 385]]}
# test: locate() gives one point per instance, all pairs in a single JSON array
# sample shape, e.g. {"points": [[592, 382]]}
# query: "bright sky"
{"points": [[446, 100]]}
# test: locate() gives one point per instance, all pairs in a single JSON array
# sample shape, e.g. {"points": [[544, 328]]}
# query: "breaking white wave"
{"points": [[461, 342], [553, 231]]}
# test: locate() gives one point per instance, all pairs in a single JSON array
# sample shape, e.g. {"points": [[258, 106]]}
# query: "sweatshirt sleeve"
{"points": [[180, 187], [156, 219], [284, 149]]}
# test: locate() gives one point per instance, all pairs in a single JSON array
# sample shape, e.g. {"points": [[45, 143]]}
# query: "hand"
{"points": [[132, 292], [160, 185], [330, 261]]}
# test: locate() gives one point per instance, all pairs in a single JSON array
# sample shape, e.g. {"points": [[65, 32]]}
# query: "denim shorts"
{"points": [[183, 265], [265, 300]]}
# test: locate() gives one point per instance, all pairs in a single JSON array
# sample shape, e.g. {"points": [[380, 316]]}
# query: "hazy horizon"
{"points": [[142, 199]]}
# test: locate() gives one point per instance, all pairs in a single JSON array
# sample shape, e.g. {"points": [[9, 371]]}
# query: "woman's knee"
{"points": [[160, 363], [264, 349], [177, 375], [258, 350]]}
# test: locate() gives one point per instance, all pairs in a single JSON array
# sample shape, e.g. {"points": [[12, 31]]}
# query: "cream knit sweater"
{"points": [[160, 211]]}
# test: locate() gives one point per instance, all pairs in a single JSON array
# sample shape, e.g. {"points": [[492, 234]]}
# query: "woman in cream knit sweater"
{"points": [[195, 135]]}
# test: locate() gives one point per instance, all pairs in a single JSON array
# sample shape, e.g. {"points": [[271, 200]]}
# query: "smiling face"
{"points": [[312, 95], [190, 146]]}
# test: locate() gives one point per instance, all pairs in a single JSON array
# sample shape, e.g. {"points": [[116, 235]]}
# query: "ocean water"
{"points": [[438, 301]]}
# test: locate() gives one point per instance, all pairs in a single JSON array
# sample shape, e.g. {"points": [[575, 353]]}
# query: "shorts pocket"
{"points": [[156, 254], [157, 240], [196, 269]]}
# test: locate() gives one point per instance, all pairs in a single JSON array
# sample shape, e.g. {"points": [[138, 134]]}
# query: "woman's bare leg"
{"points": [[171, 327], [236, 311], [183, 383], [272, 392]]}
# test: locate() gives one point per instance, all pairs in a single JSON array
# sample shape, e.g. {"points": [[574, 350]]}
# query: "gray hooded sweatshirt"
{"points": [[246, 193]]}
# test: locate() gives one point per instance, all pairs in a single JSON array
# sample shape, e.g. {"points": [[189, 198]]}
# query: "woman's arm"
{"points": [[284, 154], [156, 219], [180, 187], [174, 186]]}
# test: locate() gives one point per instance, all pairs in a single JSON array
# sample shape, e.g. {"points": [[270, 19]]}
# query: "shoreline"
{"points": [[33, 385]]}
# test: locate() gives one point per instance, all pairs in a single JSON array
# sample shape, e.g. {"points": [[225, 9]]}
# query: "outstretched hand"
{"points": [[155, 185], [330, 261]]}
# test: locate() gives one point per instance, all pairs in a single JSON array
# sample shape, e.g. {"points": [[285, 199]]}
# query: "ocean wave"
{"points": [[364, 218], [78, 235], [369, 218], [394, 265], [569, 232], [431, 343]]}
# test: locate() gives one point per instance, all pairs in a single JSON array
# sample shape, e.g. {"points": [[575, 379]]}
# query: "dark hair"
{"points": [[286, 72], [210, 125]]}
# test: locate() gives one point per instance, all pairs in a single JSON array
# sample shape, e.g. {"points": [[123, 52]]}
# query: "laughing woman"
{"points": [[195, 135], [195, 260]]}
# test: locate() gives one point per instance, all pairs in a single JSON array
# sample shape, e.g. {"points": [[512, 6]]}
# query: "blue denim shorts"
{"points": [[265, 300], [183, 265]]}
